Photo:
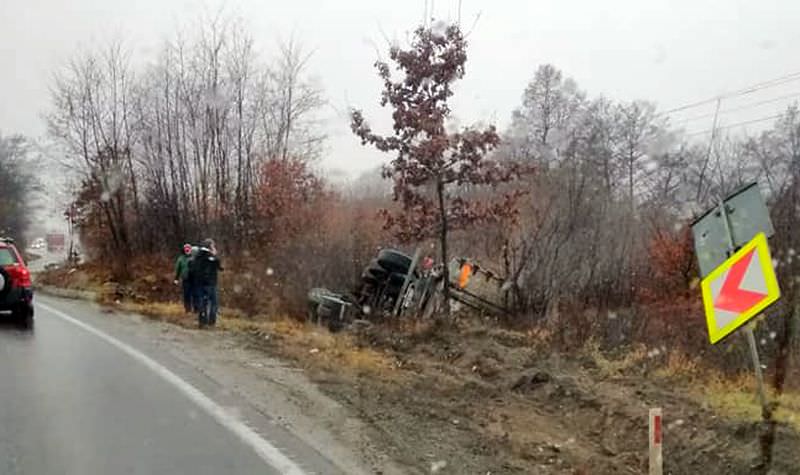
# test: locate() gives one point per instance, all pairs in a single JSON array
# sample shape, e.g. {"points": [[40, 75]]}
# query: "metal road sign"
{"points": [[747, 216], [739, 289]]}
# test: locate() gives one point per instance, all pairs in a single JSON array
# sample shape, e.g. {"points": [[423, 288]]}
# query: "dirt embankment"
{"points": [[472, 398]]}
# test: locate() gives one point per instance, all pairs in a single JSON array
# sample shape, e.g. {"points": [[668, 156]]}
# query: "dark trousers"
{"points": [[188, 295], [207, 311]]}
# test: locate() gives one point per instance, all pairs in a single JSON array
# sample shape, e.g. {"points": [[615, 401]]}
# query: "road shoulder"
{"points": [[249, 383]]}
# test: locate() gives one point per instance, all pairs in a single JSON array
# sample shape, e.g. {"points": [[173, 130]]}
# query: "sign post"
{"points": [[738, 276], [751, 338], [762, 395]]}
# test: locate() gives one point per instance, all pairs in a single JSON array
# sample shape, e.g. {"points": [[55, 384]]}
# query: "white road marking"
{"points": [[268, 452]]}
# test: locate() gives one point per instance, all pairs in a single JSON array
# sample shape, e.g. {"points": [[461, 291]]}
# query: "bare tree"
{"points": [[184, 142], [636, 131], [91, 117], [289, 123], [16, 184], [549, 105]]}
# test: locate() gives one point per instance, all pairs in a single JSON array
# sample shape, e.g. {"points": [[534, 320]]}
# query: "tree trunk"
{"points": [[443, 245], [630, 182]]}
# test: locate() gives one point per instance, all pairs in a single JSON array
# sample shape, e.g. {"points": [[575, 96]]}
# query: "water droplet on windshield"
{"points": [[438, 466]]}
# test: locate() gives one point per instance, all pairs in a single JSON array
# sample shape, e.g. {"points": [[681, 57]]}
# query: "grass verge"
{"points": [[311, 345], [737, 398]]}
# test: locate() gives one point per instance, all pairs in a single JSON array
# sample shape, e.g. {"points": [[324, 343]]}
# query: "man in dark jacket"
{"points": [[182, 277], [204, 269]]}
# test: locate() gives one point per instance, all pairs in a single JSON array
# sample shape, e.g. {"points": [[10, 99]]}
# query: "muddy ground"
{"points": [[474, 400]]}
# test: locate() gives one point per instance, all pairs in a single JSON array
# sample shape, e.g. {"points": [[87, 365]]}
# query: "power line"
{"points": [[736, 109], [740, 92], [746, 122]]}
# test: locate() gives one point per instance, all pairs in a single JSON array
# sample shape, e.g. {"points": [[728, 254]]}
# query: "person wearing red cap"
{"points": [[182, 277]]}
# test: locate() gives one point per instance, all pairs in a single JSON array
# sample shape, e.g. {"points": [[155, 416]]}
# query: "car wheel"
{"points": [[24, 317], [5, 282]]}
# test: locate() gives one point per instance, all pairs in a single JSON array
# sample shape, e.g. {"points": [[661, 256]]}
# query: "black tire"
{"points": [[5, 283], [329, 310], [396, 280], [369, 279], [394, 261], [24, 317], [376, 270], [335, 325], [365, 293], [394, 285], [27, 322]]}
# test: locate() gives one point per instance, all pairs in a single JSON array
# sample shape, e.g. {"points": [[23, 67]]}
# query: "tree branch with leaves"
{"points": [[432, 167]]}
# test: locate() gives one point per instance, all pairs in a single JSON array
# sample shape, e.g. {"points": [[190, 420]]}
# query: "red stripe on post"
{"points": [[657, 430]]}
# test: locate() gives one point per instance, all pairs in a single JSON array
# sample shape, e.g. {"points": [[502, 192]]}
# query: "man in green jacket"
{"points": [[182, 276]]}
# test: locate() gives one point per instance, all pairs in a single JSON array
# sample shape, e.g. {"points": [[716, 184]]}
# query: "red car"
{"points": [[16, 293]]}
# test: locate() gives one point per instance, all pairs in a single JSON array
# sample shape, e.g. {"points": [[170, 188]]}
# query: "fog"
{"points": [[668, 51]]}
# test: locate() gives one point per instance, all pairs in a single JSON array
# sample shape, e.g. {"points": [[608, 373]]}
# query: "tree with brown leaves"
{"points": [[434, 169]]}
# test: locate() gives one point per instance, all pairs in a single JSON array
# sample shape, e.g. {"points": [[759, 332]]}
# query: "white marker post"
{"points": [[656, 460]]}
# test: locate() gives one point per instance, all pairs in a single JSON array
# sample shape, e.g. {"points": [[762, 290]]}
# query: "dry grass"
{"points": [[173, 312], [610, 367], [679, 364], [311, 345], [732, 397], [316, 347], [163, 311], [736, 398]]}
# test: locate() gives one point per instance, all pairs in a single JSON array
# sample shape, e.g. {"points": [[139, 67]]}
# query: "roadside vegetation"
{"points": [[17, 184], [582, 204]]}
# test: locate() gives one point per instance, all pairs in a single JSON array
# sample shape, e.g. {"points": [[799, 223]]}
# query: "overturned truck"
{"points": [[395, 284]]}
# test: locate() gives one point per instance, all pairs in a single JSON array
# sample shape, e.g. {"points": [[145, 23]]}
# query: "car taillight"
{"points": [[20, 276]]}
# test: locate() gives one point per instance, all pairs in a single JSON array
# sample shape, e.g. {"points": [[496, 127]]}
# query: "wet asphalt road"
{"points": [[73, 403]]}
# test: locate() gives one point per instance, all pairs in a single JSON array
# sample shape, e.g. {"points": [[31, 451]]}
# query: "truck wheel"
{"points": [[394, 285], [369, 279], [376, 270], [397, 279], [335, 325], [394, 261]]}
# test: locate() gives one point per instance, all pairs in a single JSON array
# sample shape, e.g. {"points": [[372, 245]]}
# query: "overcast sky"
{"points": [[668, 51]]}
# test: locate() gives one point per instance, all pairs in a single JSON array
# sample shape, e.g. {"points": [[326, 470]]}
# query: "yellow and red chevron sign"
{"points": [[739, 289]]}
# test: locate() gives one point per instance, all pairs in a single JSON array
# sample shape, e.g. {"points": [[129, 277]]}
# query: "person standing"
{"points": [[205, 268], [182, 277]]}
